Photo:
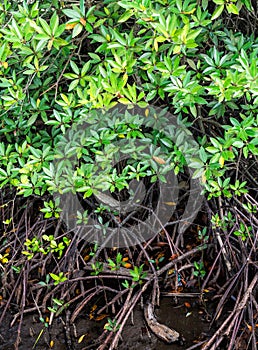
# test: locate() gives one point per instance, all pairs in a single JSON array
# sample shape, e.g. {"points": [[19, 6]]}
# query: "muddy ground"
{"points": [[190, 321]]}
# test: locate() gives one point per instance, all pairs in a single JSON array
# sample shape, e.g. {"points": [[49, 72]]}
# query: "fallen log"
{"points": [[161, 331]]}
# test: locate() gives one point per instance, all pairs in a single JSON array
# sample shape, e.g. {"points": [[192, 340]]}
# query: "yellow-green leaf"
{"points": [[217, 12], [231, 8]]}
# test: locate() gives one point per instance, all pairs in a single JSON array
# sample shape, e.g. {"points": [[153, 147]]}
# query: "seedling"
{"points": [[138, 274], [111, 325], [58, 278], [199, 269]]}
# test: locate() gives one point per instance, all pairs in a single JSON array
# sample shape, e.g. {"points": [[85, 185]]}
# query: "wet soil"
{"points": [[188, 321]]}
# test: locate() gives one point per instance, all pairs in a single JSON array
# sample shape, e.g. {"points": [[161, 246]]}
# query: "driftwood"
{"points": [[163, 332]]}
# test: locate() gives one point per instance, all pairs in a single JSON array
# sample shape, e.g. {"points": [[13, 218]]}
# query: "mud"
{"points": [[188, 321]]}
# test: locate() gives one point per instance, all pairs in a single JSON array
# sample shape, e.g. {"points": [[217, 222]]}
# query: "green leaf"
{"points": [[205, 4], [193, 110], [89, 27], [54, 22], [125, 16], [29, 71], [75, 67], [59, 42], [119, 38], [55, 277], [77, 30], [85, 68], [36, 152], [70, 76], [59, 30], [72, 14], [45, 26], [198, 173], [73, 85], [196, 163], [238, 144], [151, 95], [248, 4], [231, 8], [234, 121], [27, 192], [95, 57], [32, 119], [142, 104], [17, 29], [82, 7], [219, 2], [245, 152], [217, 12], [216, 143], [203, 155]]}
